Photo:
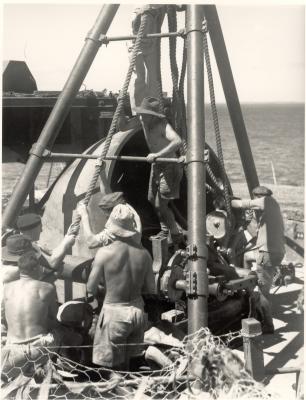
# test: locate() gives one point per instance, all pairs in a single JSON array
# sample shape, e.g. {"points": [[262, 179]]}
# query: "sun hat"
{"points": [[28, 221], [75, 313], [262, 191], [149, 105], [17, 245], [121, 221], [111, 200]]}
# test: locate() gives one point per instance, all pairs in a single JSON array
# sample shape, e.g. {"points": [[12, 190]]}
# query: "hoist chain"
{"points": [[215, 120], [113, 128]]}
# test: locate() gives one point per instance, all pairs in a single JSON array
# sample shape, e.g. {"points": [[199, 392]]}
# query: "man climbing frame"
{"points": [[165, 179]]}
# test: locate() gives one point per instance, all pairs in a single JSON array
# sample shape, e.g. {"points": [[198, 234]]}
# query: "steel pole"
{"points": [[231, 96], [59, 113], [197, 301]]}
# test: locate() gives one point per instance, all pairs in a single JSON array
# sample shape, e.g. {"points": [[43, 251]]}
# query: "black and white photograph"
{"points": [[153, 161]]}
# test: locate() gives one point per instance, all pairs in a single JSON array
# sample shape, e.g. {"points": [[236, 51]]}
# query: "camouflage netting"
{"points": [[203, 368]]}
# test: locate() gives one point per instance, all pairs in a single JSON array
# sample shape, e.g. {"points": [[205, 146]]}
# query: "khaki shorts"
{"points": [[266, 269], [24, 356], [166, 180], [119, 331]]}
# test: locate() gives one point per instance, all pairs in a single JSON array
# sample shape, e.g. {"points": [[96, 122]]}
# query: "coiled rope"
{"points": [[113, 128], [216, 122]]}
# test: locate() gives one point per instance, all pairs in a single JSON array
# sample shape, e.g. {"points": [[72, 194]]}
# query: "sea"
{"points": [[277, 137], [276, 133]]}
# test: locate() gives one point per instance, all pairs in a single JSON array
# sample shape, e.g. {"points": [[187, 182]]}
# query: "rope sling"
{"points": [[113, 128]]}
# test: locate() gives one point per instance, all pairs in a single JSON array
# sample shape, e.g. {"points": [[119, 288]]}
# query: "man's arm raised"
{"points": [[91, 238], [254, 204], [61, 250]]}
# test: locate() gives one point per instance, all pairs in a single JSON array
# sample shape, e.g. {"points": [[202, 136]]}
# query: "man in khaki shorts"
{"points": [[270, 244], [165, 179], [125, 269]]}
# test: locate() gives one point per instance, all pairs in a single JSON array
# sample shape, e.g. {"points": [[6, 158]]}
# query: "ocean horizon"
{"points": [[276, 133]]}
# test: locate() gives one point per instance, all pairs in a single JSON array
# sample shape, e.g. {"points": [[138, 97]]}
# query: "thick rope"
{"points": [[214, 179], [113, 128], [178, 103], [159, 76], [172, 26], [182, 98], [216, 122]]}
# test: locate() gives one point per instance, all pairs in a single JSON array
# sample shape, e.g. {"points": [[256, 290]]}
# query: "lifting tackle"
{"points": [[194, 280]]}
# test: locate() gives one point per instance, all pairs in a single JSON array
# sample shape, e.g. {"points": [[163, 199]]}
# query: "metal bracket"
{"points": [[103, 39], [206, 158], [94, 39], [192, 251], [39, 151], [192, 283]]}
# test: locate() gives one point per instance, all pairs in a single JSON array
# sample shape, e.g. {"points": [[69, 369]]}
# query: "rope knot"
{"points": [[100, 162], [204, 26]]}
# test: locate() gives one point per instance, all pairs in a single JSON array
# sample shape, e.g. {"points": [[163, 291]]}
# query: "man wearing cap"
{"points": [[270, 243], [165, 178], [107, 203], [30, 308], [29, 225], [125, 268], [18, 244]]}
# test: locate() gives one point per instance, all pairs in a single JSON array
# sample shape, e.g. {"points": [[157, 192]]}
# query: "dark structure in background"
{"points": [[26, 110]]}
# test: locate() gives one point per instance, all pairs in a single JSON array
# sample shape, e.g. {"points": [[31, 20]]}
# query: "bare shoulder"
{"points": [[46, 289], [170, 132], [104, 253]]}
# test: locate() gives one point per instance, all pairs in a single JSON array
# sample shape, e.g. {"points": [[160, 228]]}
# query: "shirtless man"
{"points": [[125, 269], [165, 179], [30, 310]]}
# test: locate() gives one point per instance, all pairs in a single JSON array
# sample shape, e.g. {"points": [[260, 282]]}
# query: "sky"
{"points": [[265, 43]]}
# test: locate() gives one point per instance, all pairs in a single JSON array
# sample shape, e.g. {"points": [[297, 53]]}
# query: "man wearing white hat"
{"points": [[125, 268], [107, 203]]}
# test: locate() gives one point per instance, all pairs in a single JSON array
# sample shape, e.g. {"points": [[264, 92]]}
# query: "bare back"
{"points": [[27, 304], [126, 270]]}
